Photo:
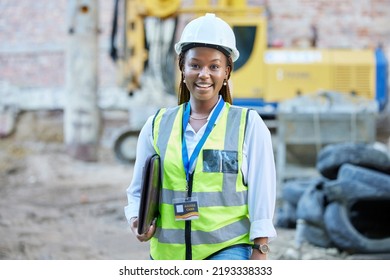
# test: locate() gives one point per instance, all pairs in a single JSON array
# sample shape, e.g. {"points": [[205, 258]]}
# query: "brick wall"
{"points": [[340, 23], [33, 40], [33, 33]]}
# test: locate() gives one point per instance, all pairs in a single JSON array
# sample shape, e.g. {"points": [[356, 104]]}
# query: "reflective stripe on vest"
{"points": [[221, 194]]}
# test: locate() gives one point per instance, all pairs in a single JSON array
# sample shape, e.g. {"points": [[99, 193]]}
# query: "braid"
{"points": [[225, 90], [184, 93]]}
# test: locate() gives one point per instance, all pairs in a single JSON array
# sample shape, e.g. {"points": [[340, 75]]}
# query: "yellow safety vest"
{"points": [[217, 182]]}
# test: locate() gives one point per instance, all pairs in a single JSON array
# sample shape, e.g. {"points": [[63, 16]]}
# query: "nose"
{"points": [[204, 72]]}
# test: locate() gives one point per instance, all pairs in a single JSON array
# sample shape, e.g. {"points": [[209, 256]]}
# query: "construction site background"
{"points": [[56, 207]]}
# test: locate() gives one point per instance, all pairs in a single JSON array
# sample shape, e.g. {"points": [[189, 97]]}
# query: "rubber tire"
{"points": [[293, 190], [333, 156], [316, 235], [291, 193], [368, 176], [311, 206], [355, 183], [346, 237], [120, 140], [286, 215]]}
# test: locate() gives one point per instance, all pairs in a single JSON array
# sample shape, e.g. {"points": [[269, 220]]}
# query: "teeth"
{"points": [[203, 86]]}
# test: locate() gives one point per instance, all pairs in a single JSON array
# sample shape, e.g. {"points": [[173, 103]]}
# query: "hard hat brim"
{"points": [[183, 47], [188, 46]]}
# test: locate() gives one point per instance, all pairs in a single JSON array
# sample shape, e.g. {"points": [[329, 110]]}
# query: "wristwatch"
{"points": [[263, 248]]}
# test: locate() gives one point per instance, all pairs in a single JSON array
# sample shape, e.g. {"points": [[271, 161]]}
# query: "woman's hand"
{"points": [[142, 237], [257, 255]]}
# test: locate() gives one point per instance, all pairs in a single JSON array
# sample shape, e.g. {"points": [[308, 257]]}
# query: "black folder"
{"points": [[150, 193]]}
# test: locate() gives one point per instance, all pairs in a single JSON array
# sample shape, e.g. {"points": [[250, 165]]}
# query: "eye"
{"points": [[214, 67], [194, 66]]}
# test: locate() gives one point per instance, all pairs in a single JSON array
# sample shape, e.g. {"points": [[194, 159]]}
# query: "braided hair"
{"points": [[184, 93]]}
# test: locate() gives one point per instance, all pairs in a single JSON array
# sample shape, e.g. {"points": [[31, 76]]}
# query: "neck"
{"points": [[202, 108]]}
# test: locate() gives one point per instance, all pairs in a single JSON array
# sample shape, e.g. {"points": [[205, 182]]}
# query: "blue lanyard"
{"points": [[186, 117]]}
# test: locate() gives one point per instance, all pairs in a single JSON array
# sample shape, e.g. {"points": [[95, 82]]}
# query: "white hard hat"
{"points": [[208, 31]]}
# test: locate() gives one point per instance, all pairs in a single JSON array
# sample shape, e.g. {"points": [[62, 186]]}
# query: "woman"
{"points": [[218, 173]]}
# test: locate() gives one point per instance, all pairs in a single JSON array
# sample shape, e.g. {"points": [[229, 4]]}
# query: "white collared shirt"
{"points": [[258, 169]]}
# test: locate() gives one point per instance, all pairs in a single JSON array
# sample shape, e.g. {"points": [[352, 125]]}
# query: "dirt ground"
{"points": [[55, 207]]}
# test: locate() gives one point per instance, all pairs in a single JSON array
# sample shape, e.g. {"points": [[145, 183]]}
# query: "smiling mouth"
{"points": [[204, 86]]}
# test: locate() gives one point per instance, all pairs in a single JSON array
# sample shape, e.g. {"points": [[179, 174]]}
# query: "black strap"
{"points": [[113, 49]]}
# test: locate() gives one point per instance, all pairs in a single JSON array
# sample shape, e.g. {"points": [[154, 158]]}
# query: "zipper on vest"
{"points": [[187, 229]]}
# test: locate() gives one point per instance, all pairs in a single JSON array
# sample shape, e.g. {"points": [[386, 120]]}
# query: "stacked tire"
{"points": [[358, 212], [349, 208], [292, 192]]}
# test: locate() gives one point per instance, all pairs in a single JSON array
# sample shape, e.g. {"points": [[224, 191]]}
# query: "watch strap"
{"points": [[263, 248]]}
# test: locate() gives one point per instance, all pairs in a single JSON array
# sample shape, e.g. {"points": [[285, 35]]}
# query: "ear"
{"points": [[227, 72]]}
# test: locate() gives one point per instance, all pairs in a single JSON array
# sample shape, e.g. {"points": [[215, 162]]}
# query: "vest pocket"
{"points": [[220, 161]]}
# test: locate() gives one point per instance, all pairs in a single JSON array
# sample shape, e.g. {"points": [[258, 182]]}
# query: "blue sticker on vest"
{"points": [[220, 161]]}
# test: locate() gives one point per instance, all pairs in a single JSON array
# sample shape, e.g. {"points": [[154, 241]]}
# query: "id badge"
{"points": [[186, 208]]}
